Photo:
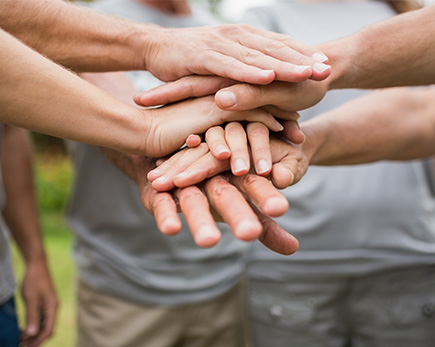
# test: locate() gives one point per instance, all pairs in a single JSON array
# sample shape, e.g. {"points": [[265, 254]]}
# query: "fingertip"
{"points": [[31, 330], [275, 206], [281, 177], [320, 57], [263, 167], [239, 167], [170, 226], [221, 152], [207, 236], [225, 99], [320, 71], [248, 230]]}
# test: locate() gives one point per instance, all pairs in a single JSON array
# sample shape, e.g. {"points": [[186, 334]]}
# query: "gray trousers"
{"points": [[391, 309]]}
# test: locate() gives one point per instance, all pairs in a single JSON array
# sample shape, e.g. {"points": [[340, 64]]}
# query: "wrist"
{"points": [[343, 58], [145, 40]]}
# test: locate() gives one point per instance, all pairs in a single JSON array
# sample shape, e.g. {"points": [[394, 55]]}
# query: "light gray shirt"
{"points": [[349, 220], [119, 249]]}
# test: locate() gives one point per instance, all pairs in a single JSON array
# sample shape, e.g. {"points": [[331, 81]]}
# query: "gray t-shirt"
{"points": [[119, 249], [7, 280], [349, 220]]}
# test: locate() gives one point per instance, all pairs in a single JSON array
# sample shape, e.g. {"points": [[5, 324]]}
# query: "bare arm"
{"points": [[86, 40], [21, 216], [396, 52], [395, 124]]}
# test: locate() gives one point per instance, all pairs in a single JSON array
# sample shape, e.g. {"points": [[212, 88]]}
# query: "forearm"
{"points": [[397, 124], [396, 52], [20, 211], [76, 37], [39, 95]]}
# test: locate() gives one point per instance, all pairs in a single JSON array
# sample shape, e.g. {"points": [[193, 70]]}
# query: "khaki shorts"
{"points": [[108, 321]]}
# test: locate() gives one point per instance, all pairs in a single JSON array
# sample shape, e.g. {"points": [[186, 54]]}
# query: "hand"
{"points": [[240, 52], [228, 204], [276, 97], [171, 125], [193, 165], [40, 302]]}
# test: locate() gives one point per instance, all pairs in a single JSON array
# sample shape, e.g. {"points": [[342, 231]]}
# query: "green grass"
{"points": [[53, 184]]}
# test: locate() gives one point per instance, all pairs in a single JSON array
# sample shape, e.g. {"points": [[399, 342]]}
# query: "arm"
{"points": [[20, 214], [86, 40], [396, 124], [45, 97], [396, 52], [393, 124]]}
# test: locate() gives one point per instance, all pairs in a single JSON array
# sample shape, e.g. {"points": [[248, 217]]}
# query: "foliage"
{"points": [[53, 181]]}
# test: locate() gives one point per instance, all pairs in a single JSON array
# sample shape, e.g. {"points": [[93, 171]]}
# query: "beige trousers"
{"points": [[108, 321]]}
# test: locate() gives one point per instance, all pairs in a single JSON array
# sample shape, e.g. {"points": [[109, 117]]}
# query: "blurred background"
{"points": [[53, 180]]}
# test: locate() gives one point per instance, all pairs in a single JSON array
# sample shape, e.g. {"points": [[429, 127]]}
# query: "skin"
{"points": [[21, 216], [402, 59], [222, 198], [392, 124], [72, 112], [84, 40]]}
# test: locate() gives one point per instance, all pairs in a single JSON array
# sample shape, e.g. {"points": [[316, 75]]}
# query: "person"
{"points": [[364, 272], [137, 287], [20, 218]]}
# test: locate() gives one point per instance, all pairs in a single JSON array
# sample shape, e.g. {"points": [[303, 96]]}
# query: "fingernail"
{"points": [[220, 149], [279, 126], [240, 165], [275, 206], [262, 166], [181, 175], [160, 179], [248, 230], [319, 67], [170, 226], [302, 68], [319, 57], [267, 73], [31, 330], [227, 98], [155, 172]]}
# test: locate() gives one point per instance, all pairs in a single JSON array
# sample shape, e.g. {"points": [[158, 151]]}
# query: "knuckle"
{"points": [[256, 130], [230, 29], [272, 47]]}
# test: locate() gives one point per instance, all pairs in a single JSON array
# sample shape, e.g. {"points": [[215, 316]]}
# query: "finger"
{"points": [[193, 141], [215, 138], [184, 88], [234, 209], [232, 67], [262, 193], [256, 115], [196, 210], [243, 97], [48, 321], [276, 238], [175, 165], [198, 171], [235, 137], [32, 314], [258, 136], [293, 132], [296, 52], [164, 209]]}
